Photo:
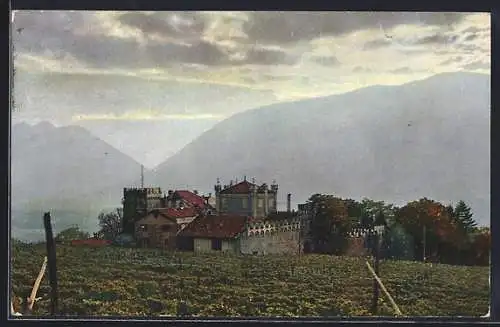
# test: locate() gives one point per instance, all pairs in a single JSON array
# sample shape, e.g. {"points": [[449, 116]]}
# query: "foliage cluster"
{"points": [[423, 230]]}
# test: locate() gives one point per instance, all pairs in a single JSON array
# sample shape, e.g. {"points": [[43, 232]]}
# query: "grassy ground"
{"points": [[119, 281]]}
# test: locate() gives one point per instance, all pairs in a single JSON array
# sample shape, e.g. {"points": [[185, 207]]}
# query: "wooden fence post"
{"points": [[30, 301], [394, 305], [51, 259], [376, 259]]}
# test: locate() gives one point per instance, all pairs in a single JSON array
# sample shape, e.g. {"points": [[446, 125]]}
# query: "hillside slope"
{"points": [[395, 143], [67, 170]]}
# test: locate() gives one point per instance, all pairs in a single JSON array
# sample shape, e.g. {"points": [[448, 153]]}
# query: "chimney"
{"points": [[266, 200], [195, 192], [288, 202]]}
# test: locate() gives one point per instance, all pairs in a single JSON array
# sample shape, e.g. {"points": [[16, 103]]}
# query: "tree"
{"points": [[330, 224], [366, 220], [481, 247], [373, 207], [463, 217], [399, 244], [380, 219], [354, 208], [111, 224], [429, 220], [71, 233]]}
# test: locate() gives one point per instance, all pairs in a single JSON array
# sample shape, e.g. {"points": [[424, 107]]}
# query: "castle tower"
{"points": [[266, 199], [217, 189], [288, 202], [253, 191], [274, 194]]}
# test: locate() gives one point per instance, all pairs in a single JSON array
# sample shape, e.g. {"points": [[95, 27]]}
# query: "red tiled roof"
{"points": [[221, 226], [240, 188], [192, 198], [178, 213]]}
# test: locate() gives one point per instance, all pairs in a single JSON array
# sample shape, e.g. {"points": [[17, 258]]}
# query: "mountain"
{"points": [[65, 170], [428, 138]]}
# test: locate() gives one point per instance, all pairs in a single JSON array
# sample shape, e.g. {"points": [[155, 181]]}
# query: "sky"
{"points": [[149, 83]]}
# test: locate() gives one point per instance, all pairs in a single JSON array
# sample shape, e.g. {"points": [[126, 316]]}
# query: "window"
{"points": [[216, 244], [244, 203], [144, 228], [271, 203], [165, 228], [260, 203]]}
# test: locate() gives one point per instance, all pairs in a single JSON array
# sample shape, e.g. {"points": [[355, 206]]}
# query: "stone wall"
{"points": [[356, 247], [284, 242], [272, 238]]}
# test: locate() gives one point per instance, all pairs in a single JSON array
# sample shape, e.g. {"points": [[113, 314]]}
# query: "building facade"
{"points": [[213, 233], [160, 227], [246, 199], [238, 234]]}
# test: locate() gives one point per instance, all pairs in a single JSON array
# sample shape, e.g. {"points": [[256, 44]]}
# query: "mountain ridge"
{"points": [[387, 130], [65, 169]]}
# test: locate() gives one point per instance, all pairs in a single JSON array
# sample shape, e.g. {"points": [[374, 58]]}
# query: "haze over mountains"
{"points": [[66, 170], [395, 143]]}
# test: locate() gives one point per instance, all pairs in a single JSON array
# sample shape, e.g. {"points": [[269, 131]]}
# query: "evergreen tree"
{"points": [[380, 219], [451, 212], [399, 244], [463, 217], [366, 220]]}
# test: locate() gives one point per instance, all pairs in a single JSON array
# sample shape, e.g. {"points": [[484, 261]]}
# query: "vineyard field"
{"points": [[125, 281]]}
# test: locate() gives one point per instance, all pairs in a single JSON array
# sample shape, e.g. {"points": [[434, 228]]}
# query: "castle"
{"points": [[244, 219]]}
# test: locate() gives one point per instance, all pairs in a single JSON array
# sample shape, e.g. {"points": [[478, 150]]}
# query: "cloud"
{"points": [[261, 56], [402, 70], [138, 116], [202, 52], [469, 48], [287, 55], [360, 69], [166, 39], [438, 38], [326, 60], [452, 60], [171, 24], [471, 37], [290, 27], [376, 44], [477, 65], [62, 97]]}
